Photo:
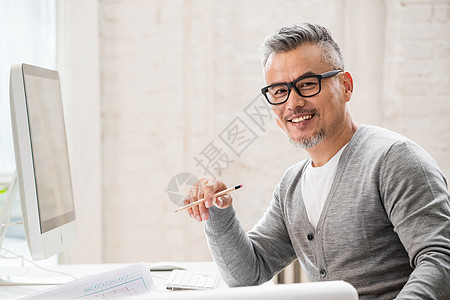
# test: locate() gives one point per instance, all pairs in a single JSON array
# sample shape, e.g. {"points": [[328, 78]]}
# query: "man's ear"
{"points": [[348, 85]]}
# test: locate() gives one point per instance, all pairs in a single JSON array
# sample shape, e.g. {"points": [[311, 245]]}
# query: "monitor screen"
{"points": [[42, 161], [49, 149]]}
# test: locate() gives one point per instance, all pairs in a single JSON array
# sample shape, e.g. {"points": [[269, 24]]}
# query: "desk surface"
{"points": [[331, 290], [30, 273]]}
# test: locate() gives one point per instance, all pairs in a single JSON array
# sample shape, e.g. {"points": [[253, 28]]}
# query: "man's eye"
{"points": [[307, 84], [279, 91]]}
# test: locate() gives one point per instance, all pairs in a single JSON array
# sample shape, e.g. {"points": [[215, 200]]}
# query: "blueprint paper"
{"points": [[124, 282]]}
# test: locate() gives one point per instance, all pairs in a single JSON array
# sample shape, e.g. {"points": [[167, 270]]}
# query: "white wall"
{"points": [[175, 74], [78, 66], [416, 75]]}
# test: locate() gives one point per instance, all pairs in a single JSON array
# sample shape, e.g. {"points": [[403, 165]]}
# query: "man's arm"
{"points": [[253, 258], [417, 202]]}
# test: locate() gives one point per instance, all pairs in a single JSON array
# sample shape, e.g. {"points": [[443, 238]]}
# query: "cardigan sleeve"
{"points": [[416, 199], [249, 258]]}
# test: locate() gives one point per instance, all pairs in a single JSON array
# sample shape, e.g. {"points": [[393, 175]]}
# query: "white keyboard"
{"points": [[183, 279]]}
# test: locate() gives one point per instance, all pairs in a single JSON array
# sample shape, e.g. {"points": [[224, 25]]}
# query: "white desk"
{"points": [[31, 274], [332, 290]]}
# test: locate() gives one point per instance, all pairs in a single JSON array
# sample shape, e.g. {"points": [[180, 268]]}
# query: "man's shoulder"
{"points": [[370, 139], [373, 143], [378, 135]]}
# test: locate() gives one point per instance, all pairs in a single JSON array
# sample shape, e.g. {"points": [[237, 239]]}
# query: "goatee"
{"points": [[309, 142]]}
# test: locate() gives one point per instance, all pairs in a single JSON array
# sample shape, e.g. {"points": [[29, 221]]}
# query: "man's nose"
{"points": [[294, 100]]}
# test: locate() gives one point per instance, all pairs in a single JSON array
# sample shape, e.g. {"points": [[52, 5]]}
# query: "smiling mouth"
{"points": [[301, 119]]}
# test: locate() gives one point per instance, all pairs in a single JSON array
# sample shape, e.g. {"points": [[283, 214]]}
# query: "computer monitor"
{"points": [[42, 162]]}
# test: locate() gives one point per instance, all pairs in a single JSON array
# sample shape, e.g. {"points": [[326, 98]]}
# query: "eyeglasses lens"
{"points": [[307, 87]]}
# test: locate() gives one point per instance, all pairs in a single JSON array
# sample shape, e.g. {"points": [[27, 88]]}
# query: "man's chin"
{"points": [[300, 143], [310, 141]]}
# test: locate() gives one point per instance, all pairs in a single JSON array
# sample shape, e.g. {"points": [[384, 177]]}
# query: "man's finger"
{"points": [[223, 201]]}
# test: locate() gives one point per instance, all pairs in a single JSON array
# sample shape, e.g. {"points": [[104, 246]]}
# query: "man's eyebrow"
{"points": [[309, 73]]}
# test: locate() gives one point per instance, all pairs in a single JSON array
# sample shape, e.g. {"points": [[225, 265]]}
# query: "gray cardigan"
{"points": [[384, 228]]}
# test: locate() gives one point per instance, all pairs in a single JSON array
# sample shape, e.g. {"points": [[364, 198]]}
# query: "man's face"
{"points": [[309, 121]]}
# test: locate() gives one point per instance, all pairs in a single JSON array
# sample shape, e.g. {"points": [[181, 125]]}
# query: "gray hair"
{"points": [[292, 37]]}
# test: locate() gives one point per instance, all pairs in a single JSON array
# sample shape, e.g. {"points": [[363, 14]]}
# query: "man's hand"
{"points": [[206, 188]]}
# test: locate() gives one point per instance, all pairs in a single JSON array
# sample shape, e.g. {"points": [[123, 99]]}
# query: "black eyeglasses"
{"points": [[306, 86]]}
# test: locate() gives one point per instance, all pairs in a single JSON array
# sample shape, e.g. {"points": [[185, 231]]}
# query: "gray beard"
{"points": [[309, 142]]}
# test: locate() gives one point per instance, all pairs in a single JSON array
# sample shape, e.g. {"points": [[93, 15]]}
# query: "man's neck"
{"points": [[326, 149]]}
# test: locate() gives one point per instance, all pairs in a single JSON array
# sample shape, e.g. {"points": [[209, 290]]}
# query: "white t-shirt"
{"points": [[316, 184]]}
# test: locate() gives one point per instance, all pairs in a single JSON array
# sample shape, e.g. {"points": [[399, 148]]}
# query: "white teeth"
{"points": [[296, 120]]}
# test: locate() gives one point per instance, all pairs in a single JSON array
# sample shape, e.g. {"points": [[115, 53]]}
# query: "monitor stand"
{"points": [[16, 273], [5, 214]]}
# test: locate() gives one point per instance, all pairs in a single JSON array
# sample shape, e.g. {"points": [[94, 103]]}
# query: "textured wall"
{"points": [[179, 78], [416, 83]]}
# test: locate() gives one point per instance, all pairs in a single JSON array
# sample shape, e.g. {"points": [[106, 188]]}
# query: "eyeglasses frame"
{"points": [[291, 85]]}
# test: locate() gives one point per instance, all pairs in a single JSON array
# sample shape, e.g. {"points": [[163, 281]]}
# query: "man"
{"points": [[369, 206]]}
